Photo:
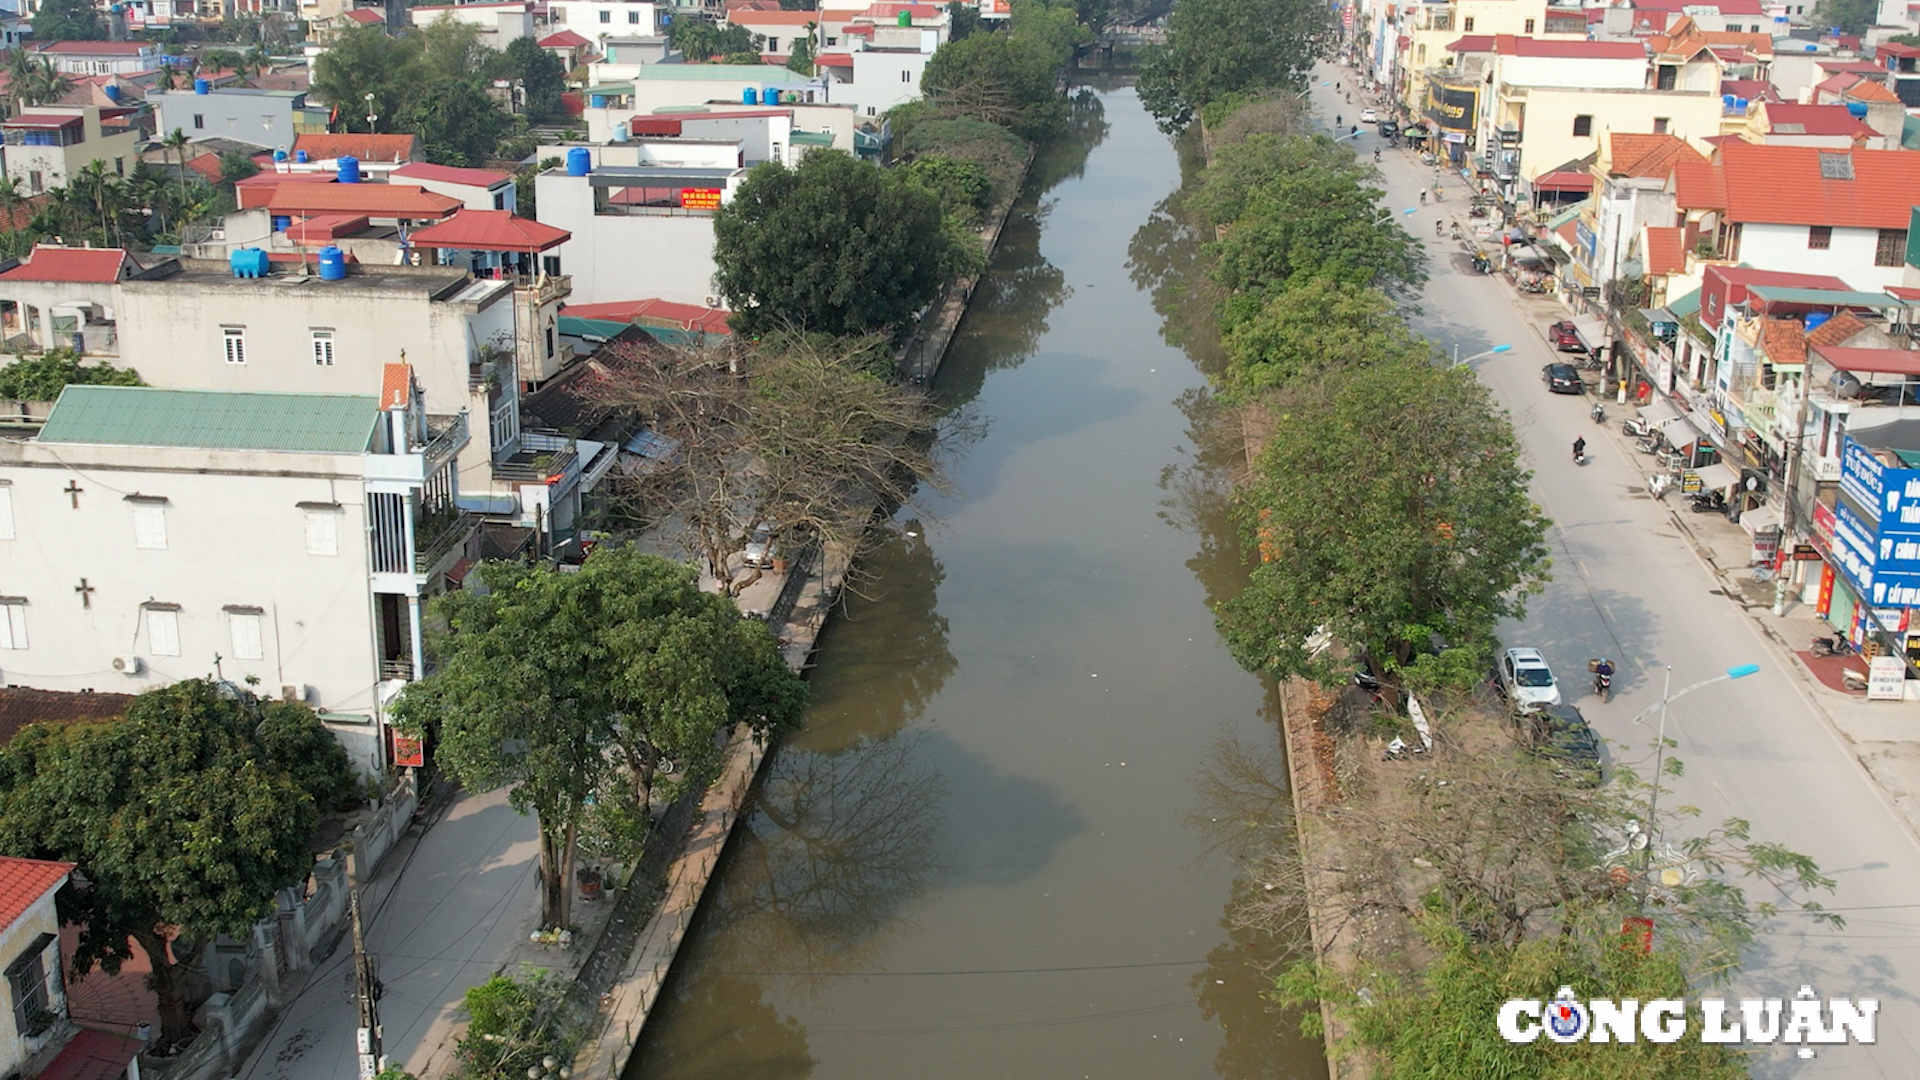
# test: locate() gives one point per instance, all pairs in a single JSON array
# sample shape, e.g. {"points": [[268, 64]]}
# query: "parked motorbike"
{"points": [[1477, 212], [1598, 413], [1429, 159], [1709, 502], [1638, 425], [1536, 287], [1374, 688], [1660, 483], [1481, 265], [1649, 444], [1828, 646], [1591, 362]]}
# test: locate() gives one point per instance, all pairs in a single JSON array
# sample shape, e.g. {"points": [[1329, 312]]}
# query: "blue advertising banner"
{"points": [[1876, 534]]}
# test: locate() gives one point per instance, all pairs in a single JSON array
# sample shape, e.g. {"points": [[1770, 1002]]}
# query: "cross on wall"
{"points": [[86, 592], [73, 490]]}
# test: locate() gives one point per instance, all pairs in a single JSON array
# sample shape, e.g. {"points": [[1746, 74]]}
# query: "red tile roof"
{"points": [[1666, 250], [448, 174], [93, 1054], [1510, 45], [1782, 185], [396, 386], [686, 316], [95, 265], [1648, 156], [375, 200], [1837, 330], [365, 16], [1473, 43], [94, 48], [41, 120], [1784, 341], [24, 881], [326, 228], [565, 39], [1814, 120], [365, 147], [490, 230], [834, 60], [1750, 89], [20, 706], [207, 165], [1867, 360], [1698, 185]]}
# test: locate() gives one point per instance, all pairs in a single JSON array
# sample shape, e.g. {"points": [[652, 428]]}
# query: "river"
{"points": [[993, 849]]}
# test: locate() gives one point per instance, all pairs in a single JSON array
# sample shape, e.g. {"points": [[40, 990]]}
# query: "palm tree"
{"points": [[177, 142]]}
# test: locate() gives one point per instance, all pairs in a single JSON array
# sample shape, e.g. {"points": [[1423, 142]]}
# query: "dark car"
{"points": [[1562, 379], [1561, 736], [1389, 128], [1566, 338]]}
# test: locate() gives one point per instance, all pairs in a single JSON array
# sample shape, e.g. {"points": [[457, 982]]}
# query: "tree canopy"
{"points": [[1847, 16], [570, 686], [1219, 47], [1307, 329], [431, 83], [700, 39], [1390, 510], [835, 246], [541, 75], [68, 20], [42, 377], [800, 55], [179, 815]]}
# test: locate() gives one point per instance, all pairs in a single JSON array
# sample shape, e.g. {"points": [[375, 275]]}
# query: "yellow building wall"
{"points": [[1549, 141], [36, 920]]}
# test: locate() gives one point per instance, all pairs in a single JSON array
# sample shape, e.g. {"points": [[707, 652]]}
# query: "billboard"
{"points": [[1877, 527], [1452, 107]]}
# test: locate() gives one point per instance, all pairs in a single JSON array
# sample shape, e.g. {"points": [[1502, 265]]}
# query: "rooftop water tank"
{"points": [[905, 18], [620, 132], [333, 264], [201, 86], [579, 161], [1726, 101], [300, 156], [248, 262], [112, 91], [749, 96], [280, 154], [349, 167], [1858, 109], [596, 101], [1740, 103], [1815, 318]]}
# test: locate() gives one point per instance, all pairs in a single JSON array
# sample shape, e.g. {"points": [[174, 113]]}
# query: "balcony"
{"points": [[440, 536], [446, 436], [545, 289], [545, 457], [396, 670]]}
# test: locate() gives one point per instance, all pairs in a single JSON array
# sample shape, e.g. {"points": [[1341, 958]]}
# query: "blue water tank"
{"points": [[280, 222], [333, 264], [1814, 319], [248, 262], [349, 169], [280, 155], [769, 96], [300, 156], [112, 91], [1740, 103], [579, 161], [1858, 109], [1726, 101], [597, 101], [620, 132], [201, 86], [749, 96]]}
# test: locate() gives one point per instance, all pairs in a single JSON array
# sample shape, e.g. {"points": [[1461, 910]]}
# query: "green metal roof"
{"points": [[1910, 133], [212, 419], [1836, 297], [812, 138], [1686, 305], [1568, 214], [580, 326]]}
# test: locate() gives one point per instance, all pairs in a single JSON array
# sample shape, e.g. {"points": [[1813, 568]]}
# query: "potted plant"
{"points": [[590, 882]]}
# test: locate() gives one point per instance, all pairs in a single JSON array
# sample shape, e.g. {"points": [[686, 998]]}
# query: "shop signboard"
{"points": [[1823, 603], [408, 751], [1805, 553], [1886, 679], [1853, 548], [1823, 522], [694, 198], [1453, 108]]}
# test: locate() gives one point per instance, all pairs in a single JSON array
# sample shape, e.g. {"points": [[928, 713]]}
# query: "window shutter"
{"points": [[246, 636], [322, 536], [150, 527], [6, 513], [163, 632], [13, 627]]}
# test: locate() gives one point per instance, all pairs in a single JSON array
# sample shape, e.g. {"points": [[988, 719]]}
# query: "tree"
{"points": [[1308, 328], [32, 81], [1846, 16], [964, 188], [366, 60], [455, 120], [235, 167], [963, 20], [541, 75], [1218, 47], [807, 443], [179, 819], [42, 377], [1390, 510], [700, 39], [800, 56], [452, 50], [835, 245], [296, 741], [67, 20], [999, 78], [577, 675]]}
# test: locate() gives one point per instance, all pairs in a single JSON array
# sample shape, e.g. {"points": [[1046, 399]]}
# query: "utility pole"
{"points": [[366, 984]]}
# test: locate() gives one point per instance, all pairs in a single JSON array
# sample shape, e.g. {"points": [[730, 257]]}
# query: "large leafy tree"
{"points": [[179, 817], [67, 20], [1219, 47], [42, 377], [834, 246], [541, 75], [1306, 329], [366, 60], [570, 686], [1848, 16], [800, 56], [1390, 510], [455, 120], [1000, 78]]}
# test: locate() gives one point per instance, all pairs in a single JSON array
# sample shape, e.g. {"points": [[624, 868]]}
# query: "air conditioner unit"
{"points": [[297, 692], [128, 665]]}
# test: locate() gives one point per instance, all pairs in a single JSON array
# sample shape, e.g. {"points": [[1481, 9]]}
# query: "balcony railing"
{"points": [[438, 534], [547, 288], [396, 669], [442, 447], [544, 457]]}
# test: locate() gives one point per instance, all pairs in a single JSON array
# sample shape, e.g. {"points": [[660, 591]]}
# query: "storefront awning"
{"points": [[1761, 519], [1716, 477], [1564, 181], [1592, 331], [1681, 432], [1659, 413]]}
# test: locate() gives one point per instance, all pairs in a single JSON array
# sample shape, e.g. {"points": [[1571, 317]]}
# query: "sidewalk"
{"points": [[445, 908]]}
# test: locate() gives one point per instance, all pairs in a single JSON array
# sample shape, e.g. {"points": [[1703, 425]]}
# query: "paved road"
{"points": [[443, 910], [1626, 585]]}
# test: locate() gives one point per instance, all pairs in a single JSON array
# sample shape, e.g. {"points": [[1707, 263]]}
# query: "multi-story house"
{"points": [[268, 119], [286, 540], [48, 144]]}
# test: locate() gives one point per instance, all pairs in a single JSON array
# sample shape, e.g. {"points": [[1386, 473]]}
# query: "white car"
{"points": [[1527, 681], [1368, 116]]}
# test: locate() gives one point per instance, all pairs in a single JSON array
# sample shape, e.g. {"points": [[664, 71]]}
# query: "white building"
{"points": [[596, 19], [637, 231], [881, 65], [101, 57], [477, 189], [289, 539], [268, 119], [1813, 211], [499, 23]]}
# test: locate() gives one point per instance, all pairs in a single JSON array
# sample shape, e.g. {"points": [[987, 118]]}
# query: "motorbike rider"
{"points": [[1376, 157], [1423, 196], [1579, 448], [1603, 677]]}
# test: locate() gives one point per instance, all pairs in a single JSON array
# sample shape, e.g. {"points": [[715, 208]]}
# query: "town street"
{"points": [[1627, 585]]}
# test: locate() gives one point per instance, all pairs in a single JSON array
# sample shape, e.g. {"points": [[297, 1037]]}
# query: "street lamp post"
{"points": [[1667, 697], [1495, 351]]}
